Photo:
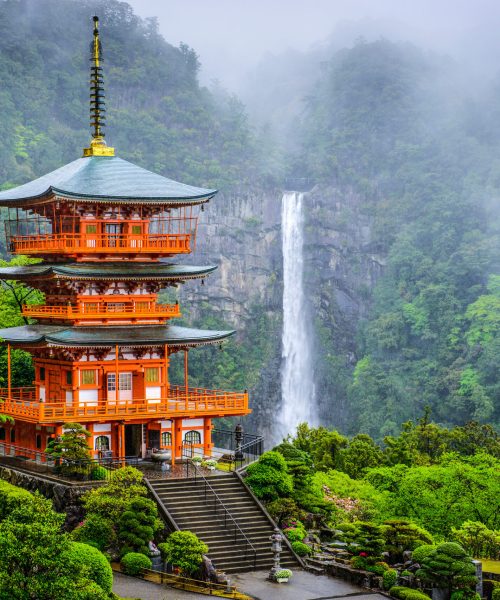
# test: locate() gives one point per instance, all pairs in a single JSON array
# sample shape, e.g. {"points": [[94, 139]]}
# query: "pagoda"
{"points": [[107, 232]]}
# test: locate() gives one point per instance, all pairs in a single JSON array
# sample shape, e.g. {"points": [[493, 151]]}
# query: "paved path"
{"points": [[302, 586], [138, 589]]}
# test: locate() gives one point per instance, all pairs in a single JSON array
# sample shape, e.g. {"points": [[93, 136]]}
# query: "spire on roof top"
{"points": [[98, 145]]}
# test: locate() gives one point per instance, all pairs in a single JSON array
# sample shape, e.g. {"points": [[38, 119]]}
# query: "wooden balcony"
{"points": [[101, 311], [21, 403], [101, 244]]}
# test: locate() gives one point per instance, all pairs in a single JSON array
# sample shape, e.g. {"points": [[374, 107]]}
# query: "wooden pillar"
{"points": [[90, 439], [174, 442], [9, 373], [117, 384], [207, 436], [165, 376], [178, 438], [186, 382], [121, 435]]}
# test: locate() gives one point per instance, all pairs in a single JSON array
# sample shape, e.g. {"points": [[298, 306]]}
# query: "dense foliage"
{"points": [[185, 551], [397, 128], [39, 560]]}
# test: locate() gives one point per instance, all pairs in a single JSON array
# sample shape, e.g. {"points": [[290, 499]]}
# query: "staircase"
{"points": [[185, 500]]}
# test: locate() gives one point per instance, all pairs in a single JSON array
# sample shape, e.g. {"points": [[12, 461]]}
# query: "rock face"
{"points": [[241, 233]]}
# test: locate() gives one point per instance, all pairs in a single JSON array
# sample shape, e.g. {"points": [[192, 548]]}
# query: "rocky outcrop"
{"points": [[241, 233]]}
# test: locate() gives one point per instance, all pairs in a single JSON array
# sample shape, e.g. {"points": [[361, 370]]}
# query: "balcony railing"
{"points": [[78, 244], [23, 403], [102, 311]]}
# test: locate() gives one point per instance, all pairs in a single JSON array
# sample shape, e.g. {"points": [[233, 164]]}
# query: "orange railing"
{"points": [[67, 243], [102, 311], [190, 402]]}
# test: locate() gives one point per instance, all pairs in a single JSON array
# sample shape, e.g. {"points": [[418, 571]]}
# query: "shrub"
{"points": [[184, 550], [133, 563], [495, 594], [422, 552], [448, 566], [282, 509], [366, 538], [465, 595], [137, 525], [401, 535], [359, 562], [378, 569], [390, 578], [283, 573], [99, 474], [97, 567], [11, 497], [295, 534], [406, 593], [301, 549], [96, 530], [269, 478]]}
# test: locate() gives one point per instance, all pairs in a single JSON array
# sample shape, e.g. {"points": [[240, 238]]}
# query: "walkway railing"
{"points": [[71, 243], [40, 463], [243, 451], [181, 401], [218, 506]]}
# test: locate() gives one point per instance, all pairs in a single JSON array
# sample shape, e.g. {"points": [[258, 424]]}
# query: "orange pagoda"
{"points": [[107, 231]]}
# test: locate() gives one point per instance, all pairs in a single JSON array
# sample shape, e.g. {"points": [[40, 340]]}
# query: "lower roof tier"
{"points": [[93, 337], [115, 271]]}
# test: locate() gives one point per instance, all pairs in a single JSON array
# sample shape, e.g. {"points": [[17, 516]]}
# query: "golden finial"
{"points": [[97, 117]]}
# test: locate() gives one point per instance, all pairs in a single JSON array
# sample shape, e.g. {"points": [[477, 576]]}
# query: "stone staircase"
{"points": [[185, 500]]}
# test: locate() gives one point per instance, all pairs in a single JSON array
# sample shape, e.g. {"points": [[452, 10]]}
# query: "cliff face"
{"points": [[241, 233]]}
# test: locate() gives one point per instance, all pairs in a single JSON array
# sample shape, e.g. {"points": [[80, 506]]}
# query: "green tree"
{"points": [[269, 478], [449, 567], [361, 454], [184, 550], [137, 525]]}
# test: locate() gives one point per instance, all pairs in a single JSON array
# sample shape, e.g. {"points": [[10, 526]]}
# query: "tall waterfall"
{"points": [[297, 385]]}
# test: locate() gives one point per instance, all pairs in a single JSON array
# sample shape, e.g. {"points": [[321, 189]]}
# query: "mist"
{"points": [[232, 37]]}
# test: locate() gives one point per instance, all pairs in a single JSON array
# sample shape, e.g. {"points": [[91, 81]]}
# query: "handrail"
{"points": [[217, 501]]}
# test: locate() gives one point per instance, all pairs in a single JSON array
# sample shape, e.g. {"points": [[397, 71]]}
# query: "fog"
{"points": [[233, 36]]}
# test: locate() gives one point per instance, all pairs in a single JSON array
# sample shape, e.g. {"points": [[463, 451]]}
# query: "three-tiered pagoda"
{"points": [[107, 231]]}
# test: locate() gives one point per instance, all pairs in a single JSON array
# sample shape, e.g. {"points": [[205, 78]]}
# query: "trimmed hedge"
{"points": [[99, 570], [10, 498], [422, 552], [406, 593], [390, 578], [301, 549], [133, 563]]}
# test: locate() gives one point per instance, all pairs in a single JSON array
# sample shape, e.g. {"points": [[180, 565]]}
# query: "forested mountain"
{"points": [[399, 129], [158, 115]]}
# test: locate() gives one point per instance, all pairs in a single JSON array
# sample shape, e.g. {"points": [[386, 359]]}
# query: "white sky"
{"points": [[231, 36]]}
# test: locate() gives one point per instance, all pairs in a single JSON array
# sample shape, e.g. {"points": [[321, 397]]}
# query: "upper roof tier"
{"points": [[105, 179]]}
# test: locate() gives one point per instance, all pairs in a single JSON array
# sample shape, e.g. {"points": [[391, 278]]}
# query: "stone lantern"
{"points": [[276, 548]]}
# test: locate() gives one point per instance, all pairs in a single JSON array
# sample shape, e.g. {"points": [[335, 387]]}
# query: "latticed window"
{"points": [[193, 437], [136, 230], [102, 442], [152, 374], [91, 229], [166, 438], [88, 377]]}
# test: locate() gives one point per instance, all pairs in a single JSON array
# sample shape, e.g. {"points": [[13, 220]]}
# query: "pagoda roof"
{"points": [[103, 270], [93, 337], [106, 179]]}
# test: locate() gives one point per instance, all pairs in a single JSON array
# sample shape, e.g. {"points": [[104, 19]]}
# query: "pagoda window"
{"points": [[90, 228], [192, 437], [152, 374], [115, 307], [140, 306], [2, 434], [91, 307], [88, 377], [41, 373], [38, 441], [136, 230], [166, 438], [125, 382], [102, 443], [12, 436], [69, 378]]}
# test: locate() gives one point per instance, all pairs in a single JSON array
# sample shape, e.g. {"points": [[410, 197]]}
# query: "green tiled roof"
{"points": [[111, 270], [147, 335], [107, 178]]}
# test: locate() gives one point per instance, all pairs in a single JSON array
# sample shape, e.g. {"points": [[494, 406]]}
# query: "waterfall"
{"points": [[297, 385]]}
